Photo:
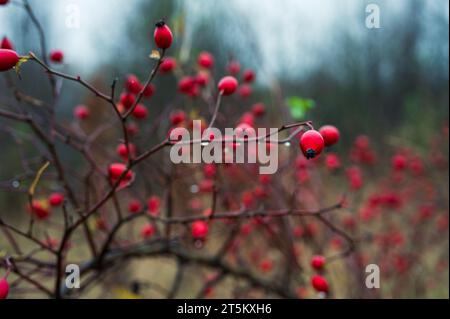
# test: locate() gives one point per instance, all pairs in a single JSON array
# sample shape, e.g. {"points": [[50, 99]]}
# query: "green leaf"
{"points": [[299, 106]]}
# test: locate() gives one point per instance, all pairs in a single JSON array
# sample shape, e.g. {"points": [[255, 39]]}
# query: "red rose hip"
{"points": [[330, 134], [206, 60], [228, 85], [4, 287], [57, 56], [199, 229], [81, 112], [163, 35], [8, 59], [318, 262], [56, 199], [319, 283], [311, 143]]}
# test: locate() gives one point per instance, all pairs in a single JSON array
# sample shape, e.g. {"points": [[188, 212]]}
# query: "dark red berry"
{"points": [[57, 56], [206, 60], [248, 76], [167, 65]]}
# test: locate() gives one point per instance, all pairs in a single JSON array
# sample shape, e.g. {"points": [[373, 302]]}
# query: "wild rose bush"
{"points": [[140, 226]]}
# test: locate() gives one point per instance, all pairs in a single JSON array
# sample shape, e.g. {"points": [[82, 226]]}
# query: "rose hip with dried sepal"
{"points": [[311, 143], [163, 35]]}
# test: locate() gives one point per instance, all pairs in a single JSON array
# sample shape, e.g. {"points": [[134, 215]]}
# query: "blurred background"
{"points": [[363, 80], [390, 83]]}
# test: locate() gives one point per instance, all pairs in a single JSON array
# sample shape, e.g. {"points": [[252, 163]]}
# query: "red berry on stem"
{"points": [[149, 90], [318, 262], [233, 67], [330, 134], [57, 56], [167, 65], [399, 162], [248, 76], [8, 59], [4, 2], [4, 285], [116, 170], [228, 85], [319, 283], [186, 84], [140, 112], [266, 265], [332, 161], [199, 229], [81, 112], [127, 100], [154, 205], [245, 90], [147, 231], [177, 117], [6, 44], [134, 206], [122, 150], [39, 209], [56, 199], [206, 60], [311, 143], [202, 78], [258, 109], [163, 35], [132, 84]]}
